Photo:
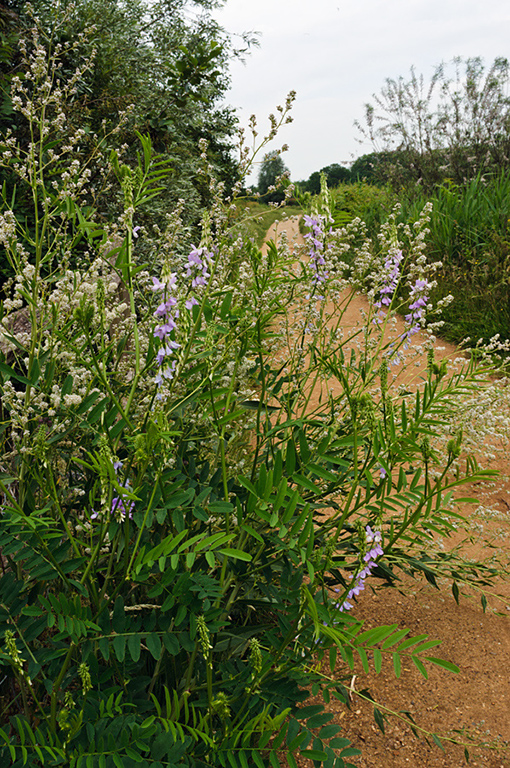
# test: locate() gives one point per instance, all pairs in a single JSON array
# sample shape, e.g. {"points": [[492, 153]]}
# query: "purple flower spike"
{"points": [[417, 307], [373, 538], [119, 508], [316, 239], [157, 285]]}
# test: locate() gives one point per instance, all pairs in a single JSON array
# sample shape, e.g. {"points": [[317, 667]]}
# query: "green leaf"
{"points": [[290, 459], [236, 554], [10, 373], [297, 741], [420, 667], [171, 643], [325, 474], [136, 756], [379, 719], [153, 643], [290, 506], [350, 752], [425, 646], [411, 641], [363, 656], [375, 635], [397, 664], [314, 754], [68, 385], [119, 646], [252, 532], [104, 647], [309, 711], [316, 721], [134, 646], [328, 731], [395, 638], [437, 741], [444, 664], [339, 743], [210, 542], [96, 412], [305, 483]]}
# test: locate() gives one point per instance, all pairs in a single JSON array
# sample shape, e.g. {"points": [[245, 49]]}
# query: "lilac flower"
{"points": [[157, 285], [196, 272], [194, 257], [382, 472], [136, 231], [166, 351], [197, 267], [316, 239], [374, 538], [162, 331], [373, 541], [391, 279], [417, 308], [119, 504], [170, 283], [166, 306]]}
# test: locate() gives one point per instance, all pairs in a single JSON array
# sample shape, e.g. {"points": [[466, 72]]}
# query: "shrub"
{"points": [[180, 535]]}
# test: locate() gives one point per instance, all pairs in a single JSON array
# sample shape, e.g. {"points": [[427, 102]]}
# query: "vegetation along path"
{"points": [[473, 706]]}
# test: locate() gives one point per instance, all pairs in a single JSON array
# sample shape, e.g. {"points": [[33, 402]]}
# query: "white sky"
{"points": [[337, 53]]}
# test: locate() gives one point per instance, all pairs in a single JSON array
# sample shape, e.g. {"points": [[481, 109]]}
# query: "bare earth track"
{"points": [[476, 702]]}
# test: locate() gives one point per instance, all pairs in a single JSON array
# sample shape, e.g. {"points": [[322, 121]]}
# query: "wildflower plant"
{"points": [[176, 515]]}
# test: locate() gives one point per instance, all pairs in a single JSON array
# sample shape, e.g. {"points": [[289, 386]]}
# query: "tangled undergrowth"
{"points": [[169, 575]]}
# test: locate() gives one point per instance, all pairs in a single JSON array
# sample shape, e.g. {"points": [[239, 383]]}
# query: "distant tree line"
{"points": [[454, 127]]}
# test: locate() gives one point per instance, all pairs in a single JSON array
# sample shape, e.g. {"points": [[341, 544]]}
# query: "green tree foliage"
{"points": [[455, 126], [271, 170], [154, 67], [335, 174]]}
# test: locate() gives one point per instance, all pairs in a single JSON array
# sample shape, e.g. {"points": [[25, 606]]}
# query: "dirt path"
{"points": [[476, 702]]}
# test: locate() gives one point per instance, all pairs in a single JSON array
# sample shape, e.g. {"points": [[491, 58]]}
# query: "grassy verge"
{"points": [[260, 217]]}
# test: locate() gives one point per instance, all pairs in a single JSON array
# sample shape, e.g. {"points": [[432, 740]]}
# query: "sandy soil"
{"points": [[472, 707]]}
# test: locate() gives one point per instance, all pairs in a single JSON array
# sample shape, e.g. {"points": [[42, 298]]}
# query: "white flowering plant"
{"points": [[183, 533]]}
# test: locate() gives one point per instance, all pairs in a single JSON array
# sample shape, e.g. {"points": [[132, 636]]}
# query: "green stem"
{"points": [[144, 523], [56, 687]]}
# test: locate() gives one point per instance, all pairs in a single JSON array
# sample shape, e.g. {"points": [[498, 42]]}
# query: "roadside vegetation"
{"points": [[182, 535], [447, 142]]}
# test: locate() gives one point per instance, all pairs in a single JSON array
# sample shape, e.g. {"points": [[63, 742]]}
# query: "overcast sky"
{"points": [[337, 53]]}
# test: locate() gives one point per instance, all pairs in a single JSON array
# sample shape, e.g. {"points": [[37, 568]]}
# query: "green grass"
{"points": [[262, 217], [469, 233]]}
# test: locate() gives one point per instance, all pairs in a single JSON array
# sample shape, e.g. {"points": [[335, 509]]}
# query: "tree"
{"points": [[336, 174], [455, 126], [158, 68], [271, 170]]}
